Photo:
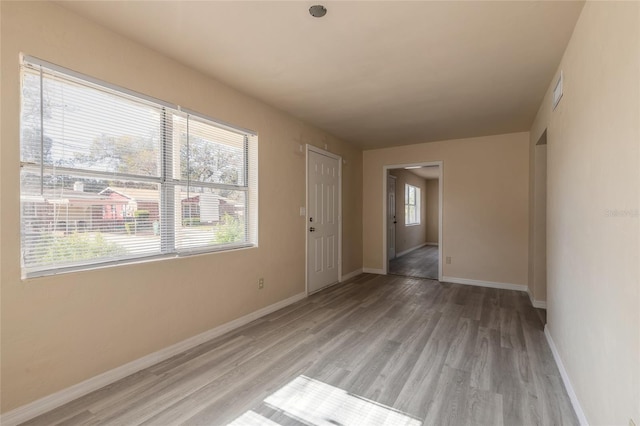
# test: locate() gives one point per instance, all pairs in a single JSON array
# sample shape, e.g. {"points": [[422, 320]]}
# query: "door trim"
{"points": [[385, 172], [395, 194], [312, 148]]}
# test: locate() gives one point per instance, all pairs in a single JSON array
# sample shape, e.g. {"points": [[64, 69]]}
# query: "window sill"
{"points": [[135, 261]]}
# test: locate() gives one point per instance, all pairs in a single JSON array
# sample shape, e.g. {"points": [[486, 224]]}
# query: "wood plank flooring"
{"points": [[420, 263], [378, 350]]}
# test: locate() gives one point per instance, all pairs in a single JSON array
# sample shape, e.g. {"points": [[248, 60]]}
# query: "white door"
{"points": [[391, 217], [323, 192]]}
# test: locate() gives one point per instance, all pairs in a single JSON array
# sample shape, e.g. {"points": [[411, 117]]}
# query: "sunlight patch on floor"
{"points": [[251, 418], [313, 402]]}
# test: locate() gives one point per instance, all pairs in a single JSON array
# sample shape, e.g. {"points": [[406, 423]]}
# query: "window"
{"points": [[108, 175], [411, 205]]}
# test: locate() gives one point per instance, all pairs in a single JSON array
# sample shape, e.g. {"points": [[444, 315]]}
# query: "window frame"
{"points": [[416, 204], [167, 183]]}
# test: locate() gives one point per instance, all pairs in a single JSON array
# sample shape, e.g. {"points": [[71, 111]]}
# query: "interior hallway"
{"points": [[420, 263]]}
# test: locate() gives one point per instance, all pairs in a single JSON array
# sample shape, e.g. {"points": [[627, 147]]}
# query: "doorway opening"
{"points": [[538, 288], [412, 238]]}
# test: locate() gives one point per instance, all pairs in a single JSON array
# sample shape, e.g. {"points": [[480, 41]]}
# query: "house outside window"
{"points": [[109, 175], [411, 205]]}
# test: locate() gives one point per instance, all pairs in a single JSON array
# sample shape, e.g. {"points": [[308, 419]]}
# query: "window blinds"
{"points": [[109, 175]]}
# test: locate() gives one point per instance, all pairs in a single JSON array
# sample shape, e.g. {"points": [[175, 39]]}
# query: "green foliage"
{"points": [[75, 247], [141, 214], [229, 230], [203, 160], [32, 145], [191, 221], [143, 222], [124, 154], [130, 227]]}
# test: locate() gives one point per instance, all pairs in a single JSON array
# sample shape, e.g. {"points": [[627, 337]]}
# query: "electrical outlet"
{"points": [[448, 260], [260, 283]]}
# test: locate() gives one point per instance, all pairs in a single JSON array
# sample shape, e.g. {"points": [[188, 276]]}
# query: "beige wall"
{"points": [[485, 203], [408, 237], [58, 331], [433, 212], [593, 181]]}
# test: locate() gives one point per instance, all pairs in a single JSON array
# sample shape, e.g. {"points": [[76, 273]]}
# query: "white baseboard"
{"points": [[351, 275], [373, 271], [55, 400], [402, 253], [540, 304], [565, 379], [490, 284]]}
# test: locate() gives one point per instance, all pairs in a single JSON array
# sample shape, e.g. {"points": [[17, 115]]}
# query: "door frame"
{"points": [[312, 148], [385, 172], [395, 190]]}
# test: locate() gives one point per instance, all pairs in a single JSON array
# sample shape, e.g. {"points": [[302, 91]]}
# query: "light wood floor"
{"points": [[375, 350], [421, 263]]}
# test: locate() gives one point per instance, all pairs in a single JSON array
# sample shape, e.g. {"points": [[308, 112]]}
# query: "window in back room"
{"points": [[411, 205]]}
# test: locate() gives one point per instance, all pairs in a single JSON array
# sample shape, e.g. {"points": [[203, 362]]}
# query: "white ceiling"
{"points": [[427, 172], [374, 73]]}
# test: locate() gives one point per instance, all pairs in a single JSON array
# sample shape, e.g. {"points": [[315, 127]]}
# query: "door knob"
{"points": [[312, 229]]}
